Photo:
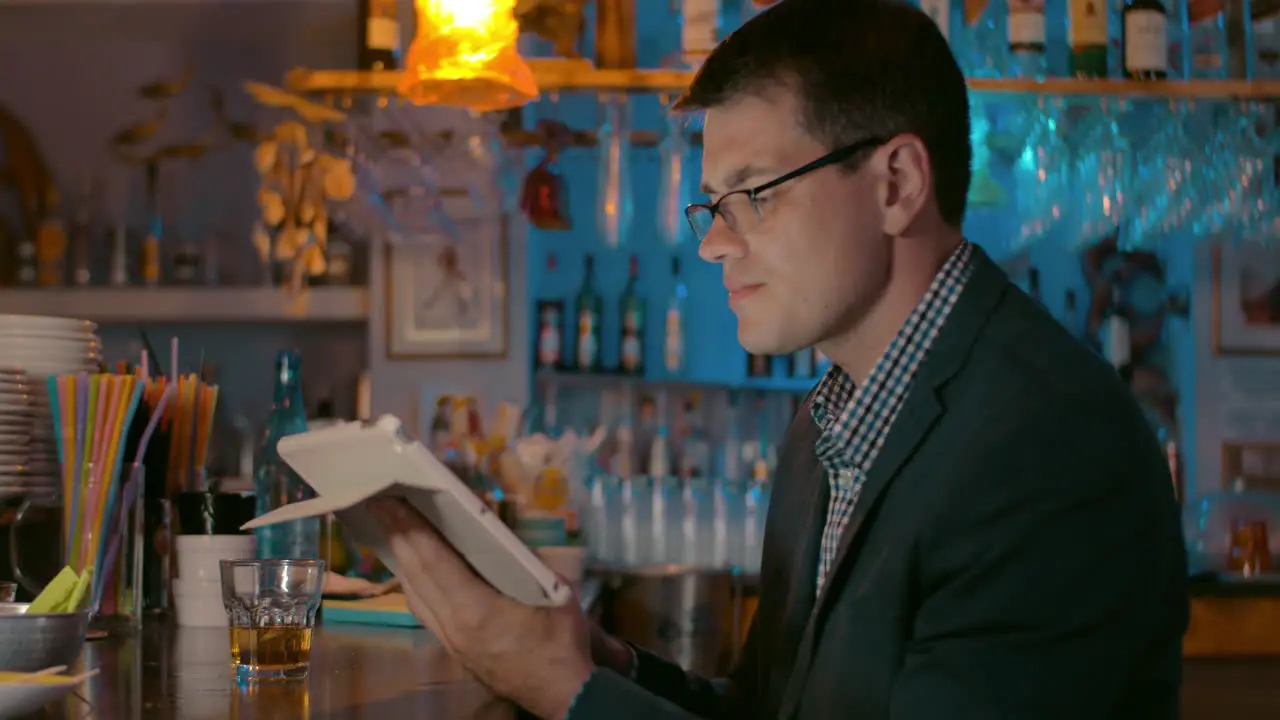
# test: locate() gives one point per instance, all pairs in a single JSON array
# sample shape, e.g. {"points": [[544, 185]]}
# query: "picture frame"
{"points": [[1257, 463], [447, 299], [1246, 299]]}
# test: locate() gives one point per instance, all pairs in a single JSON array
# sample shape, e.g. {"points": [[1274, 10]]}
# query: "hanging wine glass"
{"points": [[1216, 183], [673, 175], [1256, 195], [614, 206], [1103, 174], [1041, 175]]}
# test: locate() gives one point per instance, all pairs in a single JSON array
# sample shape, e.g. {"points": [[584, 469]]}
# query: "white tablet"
{"points": [[350, 463]]}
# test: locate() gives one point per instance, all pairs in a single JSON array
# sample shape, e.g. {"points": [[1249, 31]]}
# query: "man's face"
{"points": [[817, 260]]}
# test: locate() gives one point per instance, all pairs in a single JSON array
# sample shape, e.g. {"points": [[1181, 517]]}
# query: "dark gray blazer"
{"points": [[1016, 553]]}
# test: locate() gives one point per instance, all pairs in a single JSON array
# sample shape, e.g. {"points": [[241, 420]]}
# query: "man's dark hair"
{"points": [[863, 68]]}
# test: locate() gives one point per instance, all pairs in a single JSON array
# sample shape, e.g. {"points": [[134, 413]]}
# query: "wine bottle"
{"points": [[699, 29], [1026, 38], [673, 345], [803, 364], [549, 353], [1087, 36], [1033, 284], [1146, 45], [379, 35], [631, 313], [1114, 336], [759, 366], [940, 12], [586, 355], [1071, 314]]}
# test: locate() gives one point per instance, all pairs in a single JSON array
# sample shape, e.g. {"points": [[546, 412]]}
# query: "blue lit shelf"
{"points": [[603, 380]]}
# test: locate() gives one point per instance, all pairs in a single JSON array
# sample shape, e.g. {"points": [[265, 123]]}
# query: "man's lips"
{"points": [[739, 293]]}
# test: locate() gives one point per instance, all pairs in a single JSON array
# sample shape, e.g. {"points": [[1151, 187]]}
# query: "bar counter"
{"points": [[356, 672], [374, 672], [361, 671]]}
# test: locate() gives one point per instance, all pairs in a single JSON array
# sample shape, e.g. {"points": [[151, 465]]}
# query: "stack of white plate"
{"points": [[31, 349]]}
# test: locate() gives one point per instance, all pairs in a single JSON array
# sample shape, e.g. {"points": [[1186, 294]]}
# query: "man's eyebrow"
{"points": [[736, 178]]}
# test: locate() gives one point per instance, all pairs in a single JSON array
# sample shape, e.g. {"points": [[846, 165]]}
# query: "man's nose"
{"points": [[721, 244]]}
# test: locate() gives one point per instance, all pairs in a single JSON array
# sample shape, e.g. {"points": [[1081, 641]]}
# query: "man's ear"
{"points": [[905, 177]]}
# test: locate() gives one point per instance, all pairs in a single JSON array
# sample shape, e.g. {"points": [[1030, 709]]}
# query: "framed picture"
{"points": [[1246, 299], [448, 299], [1258, 464]]}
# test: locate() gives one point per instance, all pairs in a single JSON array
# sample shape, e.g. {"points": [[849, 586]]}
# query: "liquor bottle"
{"points": [[940, 12], [615, 34], [1146, 44], [1071, 315], [821, 362], [80, 243], [439, 439], [1026, 38], [1114, 335], [699, 29], [695, 447], [1218, 47], [631, 313], [26, 270], [803, 364], [759, 366], [1266, 39], [586, 344], [339, 254], [1087, 36], [379, 35], [549, 353], [149, 250], [51, 246], [751, 8], [673, 340], [1033, 285], [275, 483], [118, 273]]}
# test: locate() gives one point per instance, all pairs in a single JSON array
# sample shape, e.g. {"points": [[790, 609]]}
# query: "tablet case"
{"points": [[350, 463]]}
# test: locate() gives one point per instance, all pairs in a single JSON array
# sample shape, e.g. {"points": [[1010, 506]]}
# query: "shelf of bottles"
{"points": [[665, 473], [1137, 49], [556, 75]]}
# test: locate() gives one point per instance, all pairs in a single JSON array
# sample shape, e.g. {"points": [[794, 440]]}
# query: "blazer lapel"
{"points": [[919, 414], [804, 567], [805, 519]]}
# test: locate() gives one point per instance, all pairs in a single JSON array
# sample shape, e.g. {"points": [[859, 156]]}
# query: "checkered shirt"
{"points": [[855, 420]]}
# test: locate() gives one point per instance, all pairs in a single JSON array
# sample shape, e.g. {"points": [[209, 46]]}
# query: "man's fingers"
{"points": [[423, 612], [435, 566]]}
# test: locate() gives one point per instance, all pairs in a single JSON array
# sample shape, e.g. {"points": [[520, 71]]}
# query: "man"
{"points": [[970, 518]]}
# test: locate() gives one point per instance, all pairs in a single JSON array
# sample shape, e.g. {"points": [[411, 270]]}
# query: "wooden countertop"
{"points": [[356, 672], [372, 672]]}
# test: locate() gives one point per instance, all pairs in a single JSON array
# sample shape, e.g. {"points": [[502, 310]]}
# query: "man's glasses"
{"points": [[741, 211]]}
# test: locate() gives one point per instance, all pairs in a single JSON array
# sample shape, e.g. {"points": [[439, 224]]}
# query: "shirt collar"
{"points": [[833, 403]]}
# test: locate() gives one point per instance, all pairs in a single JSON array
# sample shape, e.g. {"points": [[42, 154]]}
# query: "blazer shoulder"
{"points": [[1027, 348], [1030, 386]]}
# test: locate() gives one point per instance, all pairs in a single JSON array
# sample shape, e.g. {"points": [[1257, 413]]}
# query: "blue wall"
{"points": [[713, 352]]}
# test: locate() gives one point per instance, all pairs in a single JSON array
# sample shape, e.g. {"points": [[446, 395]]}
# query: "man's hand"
{"points": [[537, 657], [609, 652]]}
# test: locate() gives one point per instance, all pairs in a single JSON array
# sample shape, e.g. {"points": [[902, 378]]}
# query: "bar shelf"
{"points": [[229, 304], [606, 379], [571, 75]]}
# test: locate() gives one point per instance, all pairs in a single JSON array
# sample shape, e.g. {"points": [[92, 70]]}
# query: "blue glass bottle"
{"points": [[275, 484]]}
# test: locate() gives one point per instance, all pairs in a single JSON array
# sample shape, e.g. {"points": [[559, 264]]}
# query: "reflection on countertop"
{"points": [[357, 671]]}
